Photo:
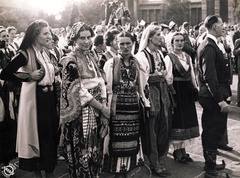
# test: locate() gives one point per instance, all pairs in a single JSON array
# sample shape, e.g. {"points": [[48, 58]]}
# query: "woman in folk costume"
{"points": [[37, 119], [111, 42], [83, 105], [181, 75], [156, 127], [125, 86]]}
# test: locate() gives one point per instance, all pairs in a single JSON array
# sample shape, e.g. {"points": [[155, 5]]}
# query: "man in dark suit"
{"points": [[214, 90], [236, 53], [236, 36]]}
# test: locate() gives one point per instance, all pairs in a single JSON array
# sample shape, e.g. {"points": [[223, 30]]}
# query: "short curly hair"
{"points": [[98, 40], [110, 35]]}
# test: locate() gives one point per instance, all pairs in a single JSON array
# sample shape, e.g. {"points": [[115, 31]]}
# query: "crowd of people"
{"points": [[101, 97]]}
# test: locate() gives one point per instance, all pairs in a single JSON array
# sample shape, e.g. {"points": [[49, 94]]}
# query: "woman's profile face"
{"points": [[156, 39], [125, 45], [178, 42], [44, 38], [114, 43], [84, 40]]}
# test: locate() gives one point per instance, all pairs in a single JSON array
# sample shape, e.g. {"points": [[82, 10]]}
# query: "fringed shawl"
{"points": [[70, 106]]}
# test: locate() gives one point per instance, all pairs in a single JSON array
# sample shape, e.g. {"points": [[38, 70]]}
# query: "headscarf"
{"points": [[145, 36], [74, 32]]}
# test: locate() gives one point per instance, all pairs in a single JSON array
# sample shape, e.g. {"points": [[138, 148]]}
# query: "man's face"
{"points": [[12, 34], [175, 28], [218, 26], [224, 32], [4, 36]]}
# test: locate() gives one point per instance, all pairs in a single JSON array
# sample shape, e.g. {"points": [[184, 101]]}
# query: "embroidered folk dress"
{"points": [[37, 119], [184, 122], [122, 146], [154, 67], [81, 82]]}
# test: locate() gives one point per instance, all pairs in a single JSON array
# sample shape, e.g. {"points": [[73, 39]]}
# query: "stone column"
{"points": [[148, 18], [204, 9], [217, 7], [154, 15], [230, 12], [126, 3], [135, 11]]}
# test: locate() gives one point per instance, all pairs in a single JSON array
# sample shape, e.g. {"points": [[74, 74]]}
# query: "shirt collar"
{"points": [[212, 37]]}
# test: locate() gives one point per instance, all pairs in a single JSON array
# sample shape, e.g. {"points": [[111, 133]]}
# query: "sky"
{"points": [[51, 7]]}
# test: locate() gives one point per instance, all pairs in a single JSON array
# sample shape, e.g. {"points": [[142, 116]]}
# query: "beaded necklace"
{"points": [[128, 73], [181, 57]]}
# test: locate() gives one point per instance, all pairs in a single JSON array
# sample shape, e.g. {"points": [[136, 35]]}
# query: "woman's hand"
{"points": [[153, 112], [104, 120], [37, 74], [106, 112]]}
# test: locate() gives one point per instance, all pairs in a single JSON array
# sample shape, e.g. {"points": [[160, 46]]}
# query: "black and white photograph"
{"points": [[119, 88]]}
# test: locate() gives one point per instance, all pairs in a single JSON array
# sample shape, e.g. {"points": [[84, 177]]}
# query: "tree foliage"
{"points": [[89, 11], [177, 11], [76, 15], [92, 11], [236, 11]]}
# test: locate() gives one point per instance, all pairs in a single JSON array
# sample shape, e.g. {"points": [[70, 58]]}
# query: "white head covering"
{"points": [[142, 23], [171, 25], [145, 36]]}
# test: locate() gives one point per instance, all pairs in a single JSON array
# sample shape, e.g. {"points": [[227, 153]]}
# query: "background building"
{"points": [[197, 10]]}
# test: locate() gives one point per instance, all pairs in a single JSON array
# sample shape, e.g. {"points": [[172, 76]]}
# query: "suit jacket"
{"points": [[236, 50], [213, 75], [236, 36]]}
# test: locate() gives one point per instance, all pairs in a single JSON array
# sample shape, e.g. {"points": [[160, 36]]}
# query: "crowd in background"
{"points": [[101, 97]]}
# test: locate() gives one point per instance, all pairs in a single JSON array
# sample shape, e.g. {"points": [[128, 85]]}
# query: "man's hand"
{"points": [[224, 106]]}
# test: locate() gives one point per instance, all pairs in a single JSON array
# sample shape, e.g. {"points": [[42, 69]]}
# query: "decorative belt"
{"points": [[181, 79], [119, 89], [46, 88], [155, 79]]}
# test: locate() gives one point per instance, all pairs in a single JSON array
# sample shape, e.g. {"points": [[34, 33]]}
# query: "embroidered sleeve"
{"points": [[108, 69], [143, 85], [169, 68], [23, 76], [10, 71], [143, 62]]}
